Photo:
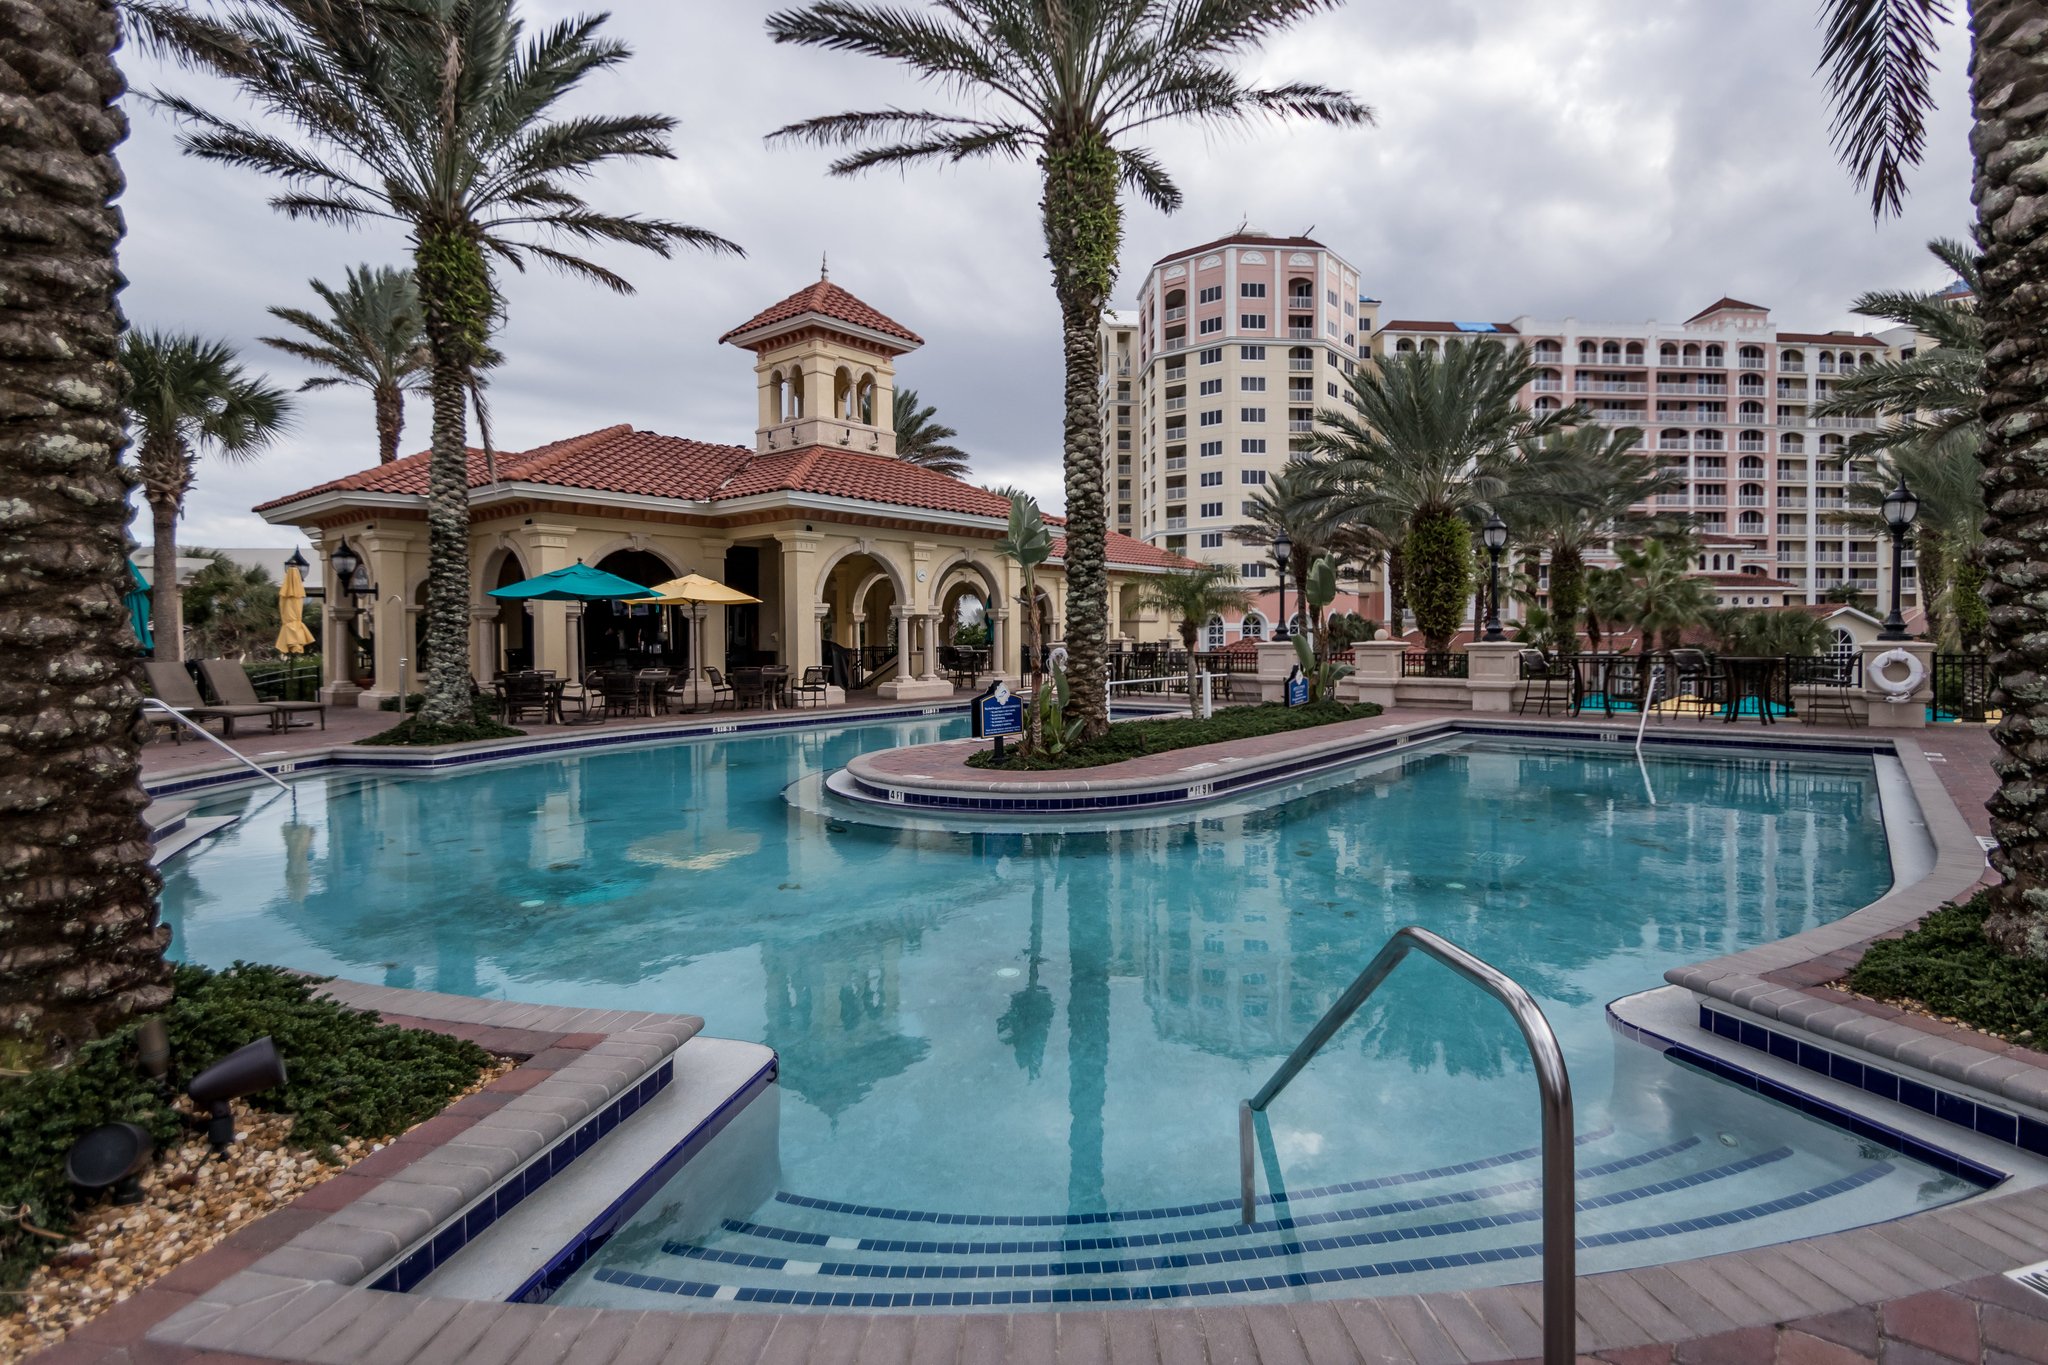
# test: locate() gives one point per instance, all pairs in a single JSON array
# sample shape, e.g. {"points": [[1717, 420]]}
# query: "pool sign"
{"points": [[998, 712], [1297, 688]]}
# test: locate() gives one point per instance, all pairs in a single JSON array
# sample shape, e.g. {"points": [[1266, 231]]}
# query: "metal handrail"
{"points": [[1560, 1337], [196, 728]]}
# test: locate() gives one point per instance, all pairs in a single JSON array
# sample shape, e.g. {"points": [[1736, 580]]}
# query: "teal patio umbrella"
{"points": [[577, 583], [137, 601]]}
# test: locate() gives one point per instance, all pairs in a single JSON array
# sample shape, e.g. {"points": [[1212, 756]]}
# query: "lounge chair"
{"points": [[173, 686], [230, 682]]}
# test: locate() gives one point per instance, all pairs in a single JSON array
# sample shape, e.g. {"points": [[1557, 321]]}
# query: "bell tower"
{"points": [[825, 370]]}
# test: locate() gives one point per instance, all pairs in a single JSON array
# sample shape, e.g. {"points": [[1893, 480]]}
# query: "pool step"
{"points": [[179, 830], [797, 1252]]}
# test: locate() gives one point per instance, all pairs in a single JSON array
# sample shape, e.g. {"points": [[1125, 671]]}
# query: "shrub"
{"points": [[482, 725], [349, 1076], [1136, 738], [1951, 968]]}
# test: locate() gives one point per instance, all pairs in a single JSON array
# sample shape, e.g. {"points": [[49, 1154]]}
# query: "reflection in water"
{"points": [[1085, 1009]]}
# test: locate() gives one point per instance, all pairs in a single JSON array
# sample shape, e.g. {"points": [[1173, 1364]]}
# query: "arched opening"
{"points": [[842, 394], [1751, 468], [620, 634], [1753, 355], [1429, 348], [1253, 627], [1588, 352], [514, 626], [1842, 644], [864, 400], [1404, 344], [1792, 443], [1301, 295], [778, 389], [860, 634], [1713, 356], [1610, 354], [1792, 360], [1667, 353], [1635, 353], [1752, 523], [1212, 633], [1690, 355], [1547, 404]]}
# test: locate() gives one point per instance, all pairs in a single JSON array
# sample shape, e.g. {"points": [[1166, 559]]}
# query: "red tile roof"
{"points": [[1243, 239], [827, 300], [1746, 580], [1726, 304], [1408, 325], [1123, 549], [860, 476], [1829, 339]]}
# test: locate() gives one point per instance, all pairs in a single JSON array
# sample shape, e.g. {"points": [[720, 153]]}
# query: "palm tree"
{"points": [[1028, 542], [1652, 591], [1070, 84], [83, 948], [1585, 490], [1191, 597], [187, 395], [441, 116], [923, 441], [1282, 507], [1880, 60], [372, 337], [1425, 446], [1934, 440]]}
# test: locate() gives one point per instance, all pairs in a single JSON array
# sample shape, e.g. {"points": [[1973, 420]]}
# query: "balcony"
{"points": [[1301, 333], [1123, 443], [1301, 395], [1795, 501], [1123, 466], [1863, 556], [1791, 367], [1548, 357], [1301, 303], [1749, 500], [1708, 443], [1673, 500], [1123, 518], [1858, 423], [1831, 476], [1176, 523], [1824, 367], [1617, 414], [1827, 556], [1673, 443], [1710, 500], [1750, 419], [1176, 343], [1179, 404], [1176, 433], [1177, 314], [1753, 444], [1791, 554], [1702, 387], [1613, 386], [1697, 362], [1174, 462], [1175, 372], [1300, 428], [1745, 363], [1301, 364]]}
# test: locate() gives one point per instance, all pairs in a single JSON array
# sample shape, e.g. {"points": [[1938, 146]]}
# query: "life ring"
{"points": [[1057, 659], [1897, 690]]}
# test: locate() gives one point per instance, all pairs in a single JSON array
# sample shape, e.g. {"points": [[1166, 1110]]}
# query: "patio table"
{"points": [[1750, 676]]}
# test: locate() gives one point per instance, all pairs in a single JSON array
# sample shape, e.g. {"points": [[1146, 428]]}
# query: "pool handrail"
{"points": [[236, 754], [1560, 1337]]}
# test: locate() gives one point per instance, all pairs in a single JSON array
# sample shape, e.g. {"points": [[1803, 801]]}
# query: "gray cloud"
{"points": [[1596, 158]]}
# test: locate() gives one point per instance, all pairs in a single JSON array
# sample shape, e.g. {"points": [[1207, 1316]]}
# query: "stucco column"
{"points": [[1493, 673], [798, 612], [547, 549], [391, 622], [931, 646], [1901, 713], [1001, 655], [1379, 672], [906, 640], [486, 655], [1276, 661]]}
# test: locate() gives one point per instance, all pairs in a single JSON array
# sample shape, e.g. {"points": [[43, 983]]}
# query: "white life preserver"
{"points": [[1897, 690], [1057, 659]]}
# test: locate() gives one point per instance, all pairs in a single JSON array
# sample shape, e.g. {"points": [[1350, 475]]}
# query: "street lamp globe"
{"points": [[345, 561], [1901, 506], [1494, 533]]}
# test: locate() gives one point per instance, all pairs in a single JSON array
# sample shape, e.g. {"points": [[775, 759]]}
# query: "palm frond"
{"points": [[1879, 59]]}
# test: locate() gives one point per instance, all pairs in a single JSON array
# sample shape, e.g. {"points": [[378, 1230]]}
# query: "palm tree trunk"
{"points": [[1083, 233], [166, 609], [390, 406], [1567, 597], [455, 304], [1188, 633], [1438, 565], [2008, 78], [80, 946]]}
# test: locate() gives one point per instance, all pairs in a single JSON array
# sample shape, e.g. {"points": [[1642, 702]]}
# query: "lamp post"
{"points": [[1495, 535], [345, 561], [1900, 507], [1282, 547]]}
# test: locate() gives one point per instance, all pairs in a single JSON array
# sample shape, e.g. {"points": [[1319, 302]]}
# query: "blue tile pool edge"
{"points": [[542, 1284], [465, 1227], [1813, 1106]]}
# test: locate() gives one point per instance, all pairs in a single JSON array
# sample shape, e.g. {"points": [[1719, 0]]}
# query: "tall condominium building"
{"points": [[1237, 343], [1119, 408], [1726, 402]]}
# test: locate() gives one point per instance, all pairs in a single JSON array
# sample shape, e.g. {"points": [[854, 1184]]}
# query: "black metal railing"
{"points": [[1962, 687], [1429, 664]]}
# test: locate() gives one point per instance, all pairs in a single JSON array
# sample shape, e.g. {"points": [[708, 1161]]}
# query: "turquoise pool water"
{"points": [[1061, 1024]]}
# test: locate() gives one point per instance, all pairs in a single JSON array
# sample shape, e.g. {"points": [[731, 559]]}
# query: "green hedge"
{"points": [[350, 1076], [1949, 967], [1136, 738]]}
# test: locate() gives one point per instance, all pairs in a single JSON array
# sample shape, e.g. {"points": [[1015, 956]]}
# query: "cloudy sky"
{"points": [[1603, 159]]}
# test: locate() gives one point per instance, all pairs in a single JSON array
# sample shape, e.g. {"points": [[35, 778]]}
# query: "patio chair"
{"points": [[590, 704], [720, 689], [173, 686], [813, 685], [1689, 683], [1555, 683], [1822, 687], [526, 692], [230, 683], [749, 688]]}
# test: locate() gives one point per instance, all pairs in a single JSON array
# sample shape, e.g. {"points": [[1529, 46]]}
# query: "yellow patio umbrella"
{"points": [[292, 635], [695, 590]]}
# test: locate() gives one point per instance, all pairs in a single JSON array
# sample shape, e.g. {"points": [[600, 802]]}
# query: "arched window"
{"points": [[1549, 353], [1713, 355], [1404, 344], [864, 400], [1753, 411], [1752, 355], [1610, 353], [1791, 360], [1752, 522], [1792, 443], [1254, 627], [1588, 352], [1830, 446], [1214, 632], [1635, 353], [1547, 404], [1668, 353], [842, 393], [1429, 348], [1691, 354], [1844, 646], [1671, 438], [1751, 468], [778, 392]]}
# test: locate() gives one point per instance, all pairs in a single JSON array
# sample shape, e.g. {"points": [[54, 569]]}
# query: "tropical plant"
{"points": [[1587, 488], [1281, 507], [188, 396], [1189, 597], [922, 440], [443, 117], [230, 608], [1028, 543], [1768, 632], [1322, 671], [371, 337], [84, 949], [1069, 84], [1880, 62], [1426, 446], [1652, 591]]}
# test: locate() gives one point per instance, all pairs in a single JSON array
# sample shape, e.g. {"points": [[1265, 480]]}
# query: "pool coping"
{"points": [[276, 1297]]}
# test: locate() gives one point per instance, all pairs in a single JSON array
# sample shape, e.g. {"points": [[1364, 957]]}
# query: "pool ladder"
{"points": [[1560, 1336]]}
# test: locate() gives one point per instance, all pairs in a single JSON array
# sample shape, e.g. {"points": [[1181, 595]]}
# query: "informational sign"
{"points": [[998, 712], [1297, 688]]}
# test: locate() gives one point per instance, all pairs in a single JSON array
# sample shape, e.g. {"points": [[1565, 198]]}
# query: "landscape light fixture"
{"points": [[245, 1071], [345, 560], [112, 1156], [298, 561], [1282, 548], [153, 1049], [1900, 506], [1495, 536]]}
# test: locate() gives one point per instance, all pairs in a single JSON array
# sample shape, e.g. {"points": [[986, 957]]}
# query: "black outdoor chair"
{"points": [[1544, 683], [813, 686], [526, 692], [721, 690], [1689, 683]]}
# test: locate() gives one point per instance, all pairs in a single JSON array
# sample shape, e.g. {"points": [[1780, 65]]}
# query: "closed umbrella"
{"points": [[695, 590], [136, 599], [577, 583], [292, 635]]}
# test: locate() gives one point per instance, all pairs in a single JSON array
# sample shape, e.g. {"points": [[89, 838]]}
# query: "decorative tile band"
{"points": [[459, 1232], [544, 1282], [1973, 1115]]}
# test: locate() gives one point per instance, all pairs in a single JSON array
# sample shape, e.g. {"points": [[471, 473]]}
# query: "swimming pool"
{"points": [[1031, 1046]]}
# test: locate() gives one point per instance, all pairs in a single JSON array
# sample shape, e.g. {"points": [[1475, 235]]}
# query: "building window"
{"points": [[1251, 476], [1252, 445], [1251, 322], [1251, 383], [1212, 447], [1251, 353], [1251, 414], [1212, 509], [1254, 627], [1251, 289], [1209, 386], [1208, 325], [1213, 417], [1332, 387], [1211, 294], [1214, 630], [1212, 540], [1212, 478], [1212, 355]]}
